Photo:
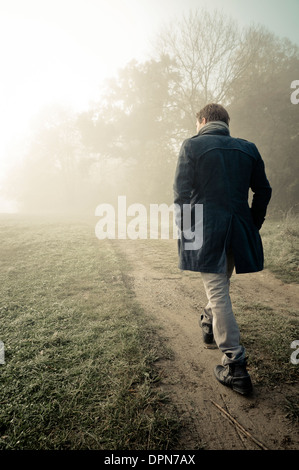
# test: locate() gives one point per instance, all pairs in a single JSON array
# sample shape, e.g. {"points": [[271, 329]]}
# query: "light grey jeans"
{"points": [[219, 313]]}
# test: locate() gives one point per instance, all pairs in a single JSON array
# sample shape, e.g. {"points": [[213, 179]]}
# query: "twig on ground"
{"points": [[238, 431], [247, 433]]}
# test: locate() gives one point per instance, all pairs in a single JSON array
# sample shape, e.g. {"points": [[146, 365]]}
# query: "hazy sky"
{"points": [[60, 50]]}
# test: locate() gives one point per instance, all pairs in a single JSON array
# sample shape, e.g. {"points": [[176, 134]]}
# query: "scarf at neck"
{"points": [[215, 127]]}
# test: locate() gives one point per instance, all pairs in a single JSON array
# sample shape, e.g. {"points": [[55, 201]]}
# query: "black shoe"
{"points": [[235, 376], [207, 331]]}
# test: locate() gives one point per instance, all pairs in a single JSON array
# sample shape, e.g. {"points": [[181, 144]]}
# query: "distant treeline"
{"points": [[127, 143]]}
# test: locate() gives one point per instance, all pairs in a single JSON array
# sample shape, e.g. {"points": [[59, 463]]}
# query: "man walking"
{"points": [[215, 171]]}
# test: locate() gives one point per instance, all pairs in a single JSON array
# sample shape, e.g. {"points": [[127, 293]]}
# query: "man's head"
{"points": [[212, 112]]}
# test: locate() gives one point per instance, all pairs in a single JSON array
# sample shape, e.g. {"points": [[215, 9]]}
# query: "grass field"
{"points": [[80, 354], [281, 245]]}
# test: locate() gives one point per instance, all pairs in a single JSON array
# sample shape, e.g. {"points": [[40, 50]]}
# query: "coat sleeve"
{"points": [[261, 192], [183, 181]]}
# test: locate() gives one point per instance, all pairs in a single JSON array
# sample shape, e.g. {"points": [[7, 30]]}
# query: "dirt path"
{"points": [[175, 300]]}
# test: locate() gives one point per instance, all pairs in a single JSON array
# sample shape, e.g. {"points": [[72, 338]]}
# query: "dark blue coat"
{"points": [[217, 170]]}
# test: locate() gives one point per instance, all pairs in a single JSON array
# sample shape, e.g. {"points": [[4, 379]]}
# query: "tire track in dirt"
{"points": [[175, 302]]}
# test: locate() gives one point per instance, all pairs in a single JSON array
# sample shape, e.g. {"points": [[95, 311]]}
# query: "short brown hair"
{"points": [[213, 112]]}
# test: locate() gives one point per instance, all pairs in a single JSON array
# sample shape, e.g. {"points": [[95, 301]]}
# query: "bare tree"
{"points": [[210, 53]]}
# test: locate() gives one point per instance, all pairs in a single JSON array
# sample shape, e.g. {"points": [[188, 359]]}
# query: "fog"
{"points": [[126, 141]]}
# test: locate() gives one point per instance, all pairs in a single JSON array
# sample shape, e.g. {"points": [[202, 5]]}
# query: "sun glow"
{"points": [[57, 53], [42, 64]]}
